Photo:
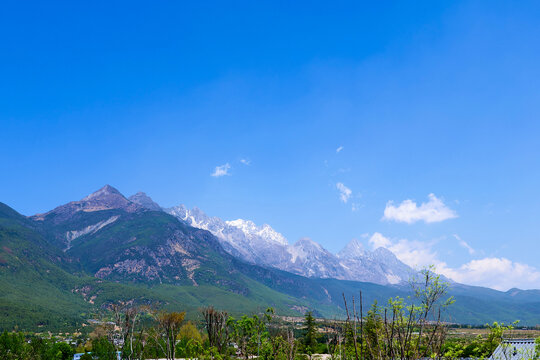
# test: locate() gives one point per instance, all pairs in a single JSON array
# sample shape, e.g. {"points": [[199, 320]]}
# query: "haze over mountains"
{"points": [[105, 248]]}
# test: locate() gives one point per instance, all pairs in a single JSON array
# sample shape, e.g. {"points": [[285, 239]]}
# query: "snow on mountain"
{"points": [[241, 238], [262, 245], [311, 259], [264, 232], [353, 249], [379, 266]]}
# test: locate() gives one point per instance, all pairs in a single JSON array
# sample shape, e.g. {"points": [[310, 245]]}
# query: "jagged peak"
{"points": [[198, 213], [180, 207], [141, 194], [105, 198], [307, 242], [241, 223], [386, 255], [145, 201], [264, 246], [384, 251], [353, 249], [104, 191], [265, 231]]}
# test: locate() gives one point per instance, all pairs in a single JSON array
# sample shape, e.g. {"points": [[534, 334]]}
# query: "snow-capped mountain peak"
{"points": [[354, 249], [308, 245], [264, 232], [306, 248], [241, 238], [265, 246], [247, 226]]}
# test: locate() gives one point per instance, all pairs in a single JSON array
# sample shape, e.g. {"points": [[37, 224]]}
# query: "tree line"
{"points": [[407, 329]]}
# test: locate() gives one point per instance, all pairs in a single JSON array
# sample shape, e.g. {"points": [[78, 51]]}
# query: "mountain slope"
{"points": [[36, 290], [153, 257], [40, 287]]}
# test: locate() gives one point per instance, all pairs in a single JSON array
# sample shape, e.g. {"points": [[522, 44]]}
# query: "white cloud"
{"points": [[344, 192], [496, 273], [378, 240], [338, 150], [464, 244], [409, 212], [416, 254], [245, 161], [221, 170]]}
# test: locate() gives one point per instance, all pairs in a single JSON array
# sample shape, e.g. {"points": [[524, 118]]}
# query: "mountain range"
{"points": [[59, 267], [265, 246]]}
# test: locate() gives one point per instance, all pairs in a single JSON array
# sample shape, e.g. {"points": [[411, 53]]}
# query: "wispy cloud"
{"points": [[245, 161], [409, 212], [339, 149], [221, 170], [464, 244], [344, 192]]}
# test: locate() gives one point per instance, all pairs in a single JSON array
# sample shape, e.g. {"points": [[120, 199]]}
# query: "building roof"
{"points": [[515, 349]]}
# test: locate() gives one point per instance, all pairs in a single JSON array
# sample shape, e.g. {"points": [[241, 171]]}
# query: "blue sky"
{"points": [[436, 98]]}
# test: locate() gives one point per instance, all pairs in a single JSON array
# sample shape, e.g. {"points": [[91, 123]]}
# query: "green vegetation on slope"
{"points": [[45, 287]]}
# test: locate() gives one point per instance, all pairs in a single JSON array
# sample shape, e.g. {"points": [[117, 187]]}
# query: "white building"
{"points": [[515, 349]]}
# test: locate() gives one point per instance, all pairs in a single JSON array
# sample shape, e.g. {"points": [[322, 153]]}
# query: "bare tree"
{"points": [[351, 324], [216, 326], [126, 318], [404, 331], [167, 329], [292, 345], [333, 342]]}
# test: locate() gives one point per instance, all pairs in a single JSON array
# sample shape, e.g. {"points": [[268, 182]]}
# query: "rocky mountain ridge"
{"points": [[265, 246], [243, 239]]}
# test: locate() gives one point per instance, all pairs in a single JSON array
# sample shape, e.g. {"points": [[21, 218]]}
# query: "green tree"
{"points": [[103, 349], [373, 332], [251, 334], [261, 331], [62, 351], [13, 346], [39, 348], [242, 333], [190, 341], [310, 334], [87, 356], [190, 331], [496, 334]]}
